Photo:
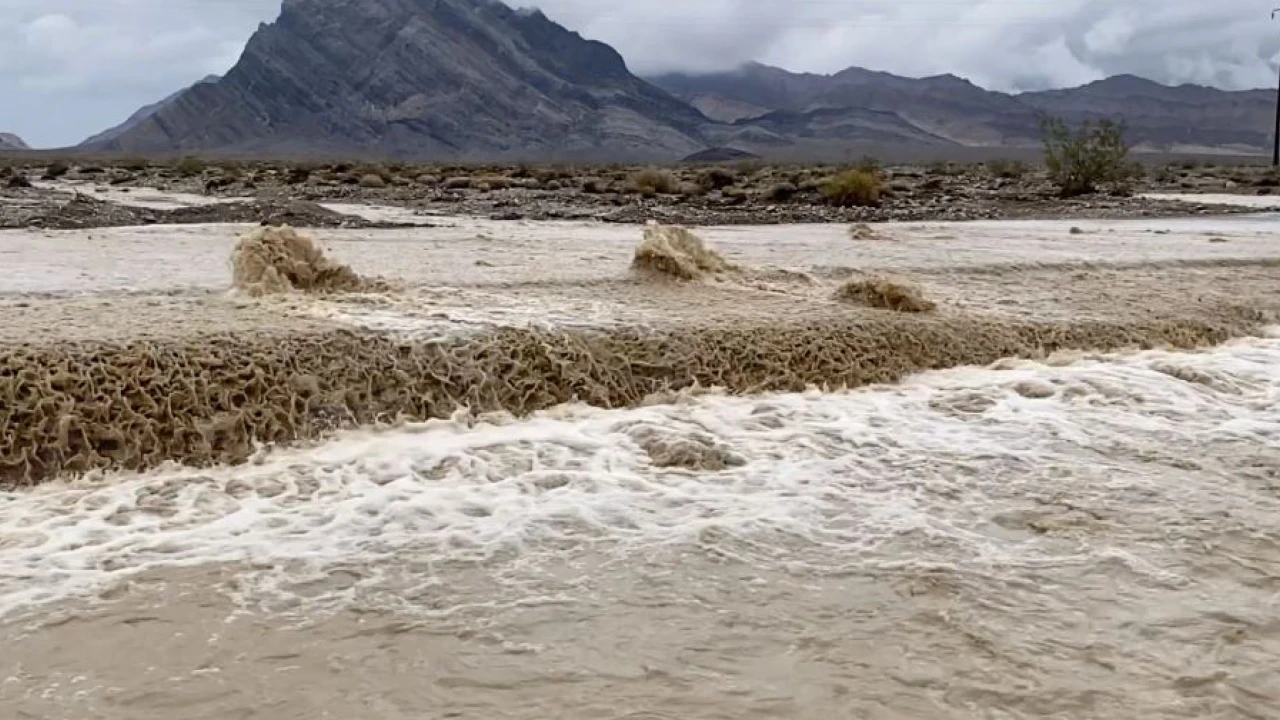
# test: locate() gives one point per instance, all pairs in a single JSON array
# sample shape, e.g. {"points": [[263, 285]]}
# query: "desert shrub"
{"points": [[1269, 179], [370, 180], [189, 166], [654, 181], [941, 168], [594, 186], [869, 163], [560, 173], [298, 175], [717, 178], [56, 170], [692, 189], [782, 192], [1005, 168], [496, 182], [811, 185], [735, 194], [134, 164], [458, 182], [1093, 157], [1165, 174], [381, 171], [853, 188]]}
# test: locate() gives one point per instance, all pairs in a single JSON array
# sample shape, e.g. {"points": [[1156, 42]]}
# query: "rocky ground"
{"points": [[45, 195]]}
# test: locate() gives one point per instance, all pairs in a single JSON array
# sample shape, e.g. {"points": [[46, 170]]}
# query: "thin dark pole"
{"points": [[1275, 138]]}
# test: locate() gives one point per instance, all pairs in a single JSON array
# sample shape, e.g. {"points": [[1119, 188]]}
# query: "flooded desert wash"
{"points": [[1093, 537]]}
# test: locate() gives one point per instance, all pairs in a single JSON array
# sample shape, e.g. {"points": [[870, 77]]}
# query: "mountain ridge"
{"points": [[419, 78], [1158, 116], [477, 79]]}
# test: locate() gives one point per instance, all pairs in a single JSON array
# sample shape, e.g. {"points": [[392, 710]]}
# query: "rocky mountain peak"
{"points": [[421, 78]]}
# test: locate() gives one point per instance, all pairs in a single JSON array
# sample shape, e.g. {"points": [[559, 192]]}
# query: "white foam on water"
{"points": [[1091, 459]]}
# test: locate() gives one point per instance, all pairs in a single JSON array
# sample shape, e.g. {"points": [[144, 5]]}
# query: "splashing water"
{"points": [[1086, 537]]}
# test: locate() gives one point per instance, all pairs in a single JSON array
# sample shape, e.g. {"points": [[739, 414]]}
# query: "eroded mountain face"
{"points": [[426, 78]]}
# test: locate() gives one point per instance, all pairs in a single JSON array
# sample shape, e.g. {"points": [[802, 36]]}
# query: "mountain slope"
{"points": [[142, 114], [1167, 117], [424, 79], [961, 112], [945, 107], [9, 141]]}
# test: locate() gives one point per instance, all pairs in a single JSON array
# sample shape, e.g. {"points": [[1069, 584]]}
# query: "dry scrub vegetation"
{"points": [[692, 194], [853, 188]]}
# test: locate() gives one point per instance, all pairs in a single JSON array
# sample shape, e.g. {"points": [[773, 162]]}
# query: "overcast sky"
{"points": [[70, 68]]}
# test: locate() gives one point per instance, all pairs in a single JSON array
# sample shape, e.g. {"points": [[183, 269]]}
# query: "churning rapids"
{"points": [[1094, 536]]}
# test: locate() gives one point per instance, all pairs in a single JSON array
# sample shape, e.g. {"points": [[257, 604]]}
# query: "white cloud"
{"points": [[69, 68]]}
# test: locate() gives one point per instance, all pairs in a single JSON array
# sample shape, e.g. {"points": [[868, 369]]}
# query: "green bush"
{"points": [[1093, 157], [853, 188]]}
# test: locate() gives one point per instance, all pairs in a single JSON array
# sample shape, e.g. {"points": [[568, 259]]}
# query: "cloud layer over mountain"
{"points": [[69, 68]]}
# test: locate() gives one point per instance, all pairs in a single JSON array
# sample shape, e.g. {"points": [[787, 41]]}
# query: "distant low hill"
{"points": [[9, 141], [478, 80]]}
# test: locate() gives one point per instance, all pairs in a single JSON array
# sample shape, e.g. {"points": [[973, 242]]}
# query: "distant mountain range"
{"points": [[476, 79], [9, 141], [947, 109]]}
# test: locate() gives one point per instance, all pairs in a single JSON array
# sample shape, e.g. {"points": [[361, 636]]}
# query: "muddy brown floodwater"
{"points": [[1081, 535]]}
